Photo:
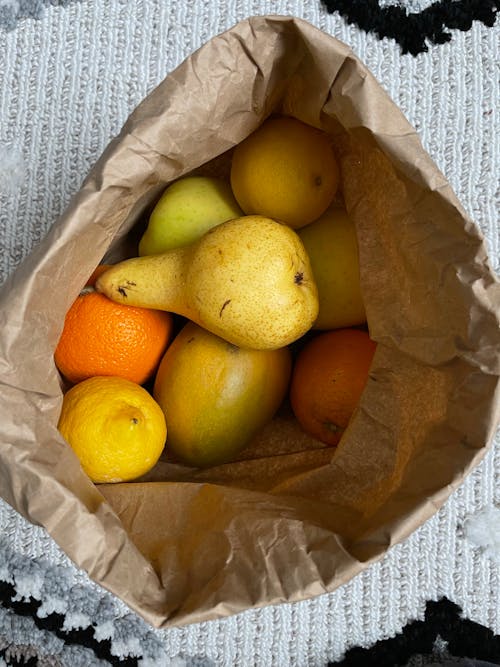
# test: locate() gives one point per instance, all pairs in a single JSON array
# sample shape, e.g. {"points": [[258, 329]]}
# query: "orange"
{"points": [[114, 426], [329, 375], [101, 337], [285, 170]]}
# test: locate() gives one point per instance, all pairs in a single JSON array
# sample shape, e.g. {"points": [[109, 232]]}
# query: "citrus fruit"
{"points": [[216, 396], [101, 337], [285, 170], [329, 375], [331, 243], [114, 426]]}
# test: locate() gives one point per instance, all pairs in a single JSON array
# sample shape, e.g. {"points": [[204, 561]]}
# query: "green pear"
{"points": [[248, 280], [332, 246], [187, 209]]}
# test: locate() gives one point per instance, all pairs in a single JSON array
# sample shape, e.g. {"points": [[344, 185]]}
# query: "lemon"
{"points": [[285, 170], [114, 426]]}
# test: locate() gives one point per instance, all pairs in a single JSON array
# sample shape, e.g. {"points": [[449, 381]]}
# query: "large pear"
{"points": [[248, 280]]}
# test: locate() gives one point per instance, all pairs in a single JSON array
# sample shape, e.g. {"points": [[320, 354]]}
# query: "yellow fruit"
{"points": [[216, 396], [114, 426], [247, 280], [285, 170], [332, 247]]}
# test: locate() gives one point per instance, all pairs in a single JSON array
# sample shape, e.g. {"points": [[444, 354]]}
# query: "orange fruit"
{"points": [[114, 426], [329, 375], [285, 170], [101, 337]]}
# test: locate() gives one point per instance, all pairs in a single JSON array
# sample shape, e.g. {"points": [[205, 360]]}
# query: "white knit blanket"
{"points": [[67, 84]]}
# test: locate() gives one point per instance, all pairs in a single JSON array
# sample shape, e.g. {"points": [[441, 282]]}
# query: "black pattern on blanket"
{"points": [[414, 30]]}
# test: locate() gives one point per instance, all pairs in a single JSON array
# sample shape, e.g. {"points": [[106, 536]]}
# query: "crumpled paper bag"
{"points": [[291, 518]]}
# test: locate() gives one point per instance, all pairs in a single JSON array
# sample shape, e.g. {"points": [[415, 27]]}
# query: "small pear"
{"points": [[187, 209], [332, 247], [248, 280]]}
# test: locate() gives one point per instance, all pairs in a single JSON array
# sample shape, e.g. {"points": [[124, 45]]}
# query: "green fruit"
{"points": [[332, 247], [187, 209]]}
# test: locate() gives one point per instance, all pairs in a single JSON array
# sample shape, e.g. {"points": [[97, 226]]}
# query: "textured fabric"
{"points": [[67, 83], [12, 11]]}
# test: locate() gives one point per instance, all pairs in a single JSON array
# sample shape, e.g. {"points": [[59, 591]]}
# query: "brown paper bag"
{"points": [[292, 518]]}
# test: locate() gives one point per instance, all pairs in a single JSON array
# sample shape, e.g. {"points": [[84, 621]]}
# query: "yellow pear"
{"points": [[248, 280], [332, 247]]}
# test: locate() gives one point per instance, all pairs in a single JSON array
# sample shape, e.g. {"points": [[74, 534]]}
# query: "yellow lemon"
{"points": [[114, 426], [285, 170]]}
